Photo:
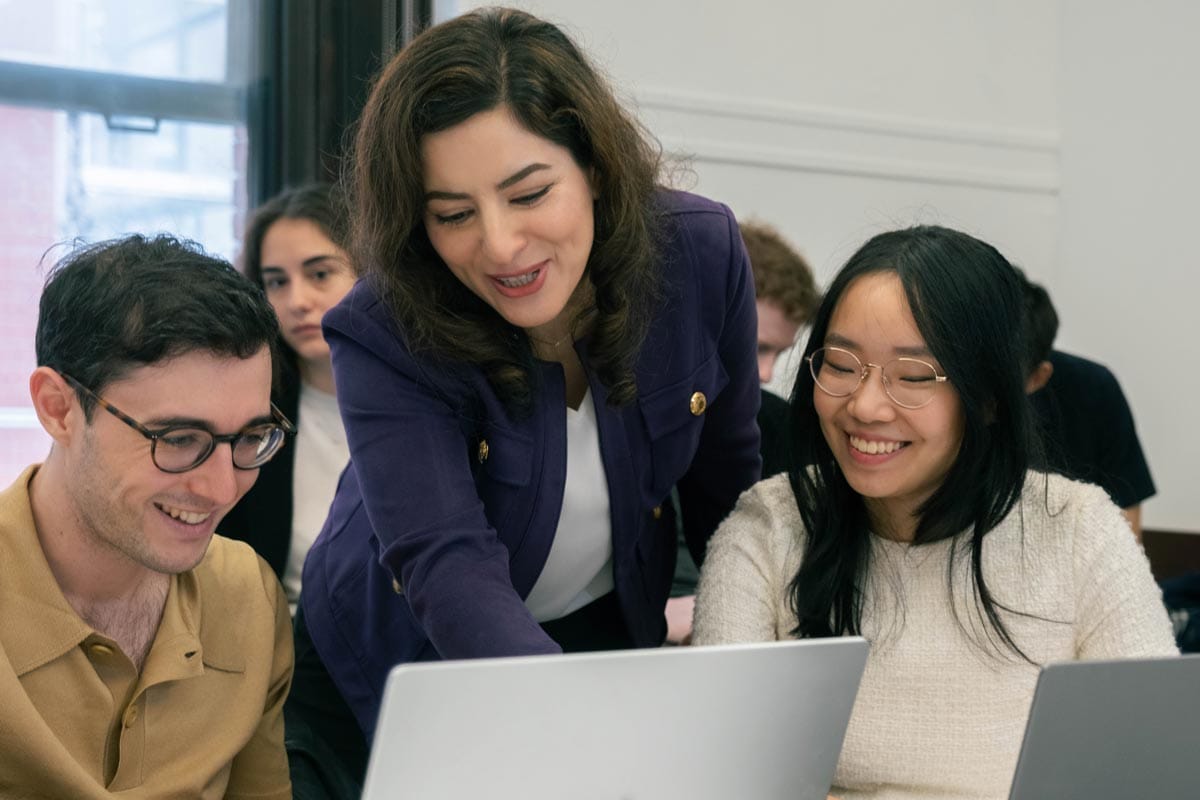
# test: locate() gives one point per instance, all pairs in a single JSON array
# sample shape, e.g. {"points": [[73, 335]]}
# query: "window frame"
{"points": [[297, 75]]}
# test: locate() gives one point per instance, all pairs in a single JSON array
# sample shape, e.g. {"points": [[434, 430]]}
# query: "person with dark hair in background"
{"points": [[295, 248], [910, 516], [786, 297], [140, 655], [1085, 420], [545, 342]]}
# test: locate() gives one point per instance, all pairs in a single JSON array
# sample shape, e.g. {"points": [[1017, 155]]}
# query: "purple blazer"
{"points": [[433, 539]]}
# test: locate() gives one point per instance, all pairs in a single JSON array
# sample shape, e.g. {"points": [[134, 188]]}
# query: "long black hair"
{"points": [[966, 300]]}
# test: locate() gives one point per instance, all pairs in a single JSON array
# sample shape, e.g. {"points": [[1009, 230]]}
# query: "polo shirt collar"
{"points": [[38, 625], [203, 624]]}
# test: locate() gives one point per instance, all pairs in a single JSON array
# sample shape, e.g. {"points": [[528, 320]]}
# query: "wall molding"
{"points": [[842, 119], [852, 143], [896, 169]]}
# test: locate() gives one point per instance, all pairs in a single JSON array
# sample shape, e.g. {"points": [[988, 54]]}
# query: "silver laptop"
{"points": [[759, 721], [1113, 730]]}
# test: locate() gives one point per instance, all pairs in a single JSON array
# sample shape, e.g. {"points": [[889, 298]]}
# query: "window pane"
{"points": [[76, 179], [27, 227], [73, 175], [184, 39], [184, 179]]}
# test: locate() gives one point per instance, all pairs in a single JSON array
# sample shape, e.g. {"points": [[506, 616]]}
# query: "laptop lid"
{"points": [[1113, 730], [759, 721]]}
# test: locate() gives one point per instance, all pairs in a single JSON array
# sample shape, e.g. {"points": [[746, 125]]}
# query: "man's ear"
{"points": [[1039, 377], [55, 403]]}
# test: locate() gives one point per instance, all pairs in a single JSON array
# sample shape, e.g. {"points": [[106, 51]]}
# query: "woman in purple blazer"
{"points": [[545, 343]]}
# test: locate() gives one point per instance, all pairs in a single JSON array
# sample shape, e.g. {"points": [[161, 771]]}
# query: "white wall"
{"points": [[1127, 284], [836, 120]]}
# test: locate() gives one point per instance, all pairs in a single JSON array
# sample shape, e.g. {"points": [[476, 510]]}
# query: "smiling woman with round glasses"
{"points": [[910, 382], [910, 517]]}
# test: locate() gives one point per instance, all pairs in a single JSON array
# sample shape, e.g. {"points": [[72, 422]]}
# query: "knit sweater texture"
{"points": [[942, 707]]}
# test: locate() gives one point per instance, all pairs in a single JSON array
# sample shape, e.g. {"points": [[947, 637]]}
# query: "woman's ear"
{"points": [[1039, 377]]}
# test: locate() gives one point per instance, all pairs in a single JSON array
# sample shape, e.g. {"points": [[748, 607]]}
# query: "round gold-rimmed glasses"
{"points": [[180, 448], [909, 382]]}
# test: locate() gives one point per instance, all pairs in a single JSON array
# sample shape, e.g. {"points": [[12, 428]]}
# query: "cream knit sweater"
{"points": [[937, 714]]}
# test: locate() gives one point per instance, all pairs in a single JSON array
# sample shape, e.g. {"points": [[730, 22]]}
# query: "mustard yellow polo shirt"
{"points": [[204, 719]]}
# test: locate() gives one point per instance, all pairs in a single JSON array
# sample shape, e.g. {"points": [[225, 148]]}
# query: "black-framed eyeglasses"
{"points": [[179, 448], [910, 382]]}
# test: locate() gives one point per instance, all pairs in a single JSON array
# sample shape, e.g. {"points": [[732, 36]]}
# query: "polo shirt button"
{"points": [[657, 512], [396, 587], [131, 715], [698, 403], [101, 650], [483, 450]]}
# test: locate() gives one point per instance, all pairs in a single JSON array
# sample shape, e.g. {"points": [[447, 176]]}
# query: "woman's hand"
{"points": [[679, 619]]}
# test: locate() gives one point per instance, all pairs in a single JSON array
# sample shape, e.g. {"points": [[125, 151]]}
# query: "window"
{"points": [[116, 116], [163, 115]]}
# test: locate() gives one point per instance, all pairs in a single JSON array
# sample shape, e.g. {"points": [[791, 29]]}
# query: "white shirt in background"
{"points": [[321, 455]]}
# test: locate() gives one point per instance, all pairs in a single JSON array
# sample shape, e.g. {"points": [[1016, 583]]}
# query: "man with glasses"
{"points": [[138, 652]]}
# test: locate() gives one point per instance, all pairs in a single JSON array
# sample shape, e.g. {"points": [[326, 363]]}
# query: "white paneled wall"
{"points": [[1128, 280], [1044, 128]]}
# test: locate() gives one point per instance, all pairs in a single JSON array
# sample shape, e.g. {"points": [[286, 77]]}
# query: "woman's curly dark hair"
{"points": [[474, 63]]}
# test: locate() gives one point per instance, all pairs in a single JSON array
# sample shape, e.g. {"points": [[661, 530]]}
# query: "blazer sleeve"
{"points": [[412, 461], [727, 460]]}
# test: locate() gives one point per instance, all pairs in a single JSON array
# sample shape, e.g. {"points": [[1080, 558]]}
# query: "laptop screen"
{"points": [[758, 721], [1113, 730]]}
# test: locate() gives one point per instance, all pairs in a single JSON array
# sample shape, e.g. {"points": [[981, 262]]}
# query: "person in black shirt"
{"points": [[1087, 427]]}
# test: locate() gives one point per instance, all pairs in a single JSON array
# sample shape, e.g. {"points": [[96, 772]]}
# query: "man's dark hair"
{"points": [[111, 307], [1041, 323]]}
